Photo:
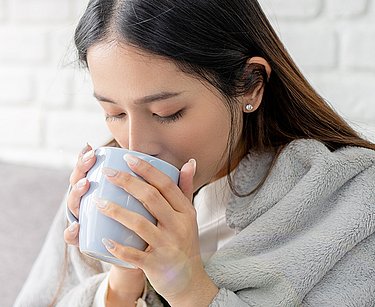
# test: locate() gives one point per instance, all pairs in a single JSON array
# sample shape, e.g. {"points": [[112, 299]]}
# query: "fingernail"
{"points": [[194, 163], [81, 183], [108, 243], [101, 203], [131, 160], [88, 155], [110, 172], [73, 226], [85, 149]]}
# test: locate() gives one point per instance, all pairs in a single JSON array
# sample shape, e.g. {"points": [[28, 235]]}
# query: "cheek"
{"points": [[205, 141]]}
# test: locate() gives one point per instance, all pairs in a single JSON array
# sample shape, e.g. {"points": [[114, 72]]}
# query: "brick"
{"points": [[16, 87], [22, 46], [291, 9], [358, 48], [305, 46], [61, 44], [350, 93], [19, 126], [83, 91], [40, 11], [79, 8], [54, 89], [346, 8], [70, 130], [2, 10]]}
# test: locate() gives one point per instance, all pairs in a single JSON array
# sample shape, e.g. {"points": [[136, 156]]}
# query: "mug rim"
{"points": [[139, 152]]}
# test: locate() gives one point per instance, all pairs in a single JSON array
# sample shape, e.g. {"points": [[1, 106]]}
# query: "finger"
{"points": [[86, 160], [148, 195], [125, 253], [132, 220], [186, 178], [71, 234], [162, 182], [75, 195]]}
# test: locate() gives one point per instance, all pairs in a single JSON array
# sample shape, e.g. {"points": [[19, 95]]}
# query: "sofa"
{"points": [[29, 199]]}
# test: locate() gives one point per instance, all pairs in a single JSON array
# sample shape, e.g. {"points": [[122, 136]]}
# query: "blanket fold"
{"points": [[306, 237], [315, 207]]}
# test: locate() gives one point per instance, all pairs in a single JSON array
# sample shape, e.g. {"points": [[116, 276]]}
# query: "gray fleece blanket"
{"points": [[305, 238]]}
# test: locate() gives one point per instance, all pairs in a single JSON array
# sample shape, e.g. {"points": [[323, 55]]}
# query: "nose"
{"points": [[142, 138]]}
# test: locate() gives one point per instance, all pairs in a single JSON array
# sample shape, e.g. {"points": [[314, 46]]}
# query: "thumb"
{"points": [[186, 178]]}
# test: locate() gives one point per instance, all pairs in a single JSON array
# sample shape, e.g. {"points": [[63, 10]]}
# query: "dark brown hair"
{"points": [[213, 40]]}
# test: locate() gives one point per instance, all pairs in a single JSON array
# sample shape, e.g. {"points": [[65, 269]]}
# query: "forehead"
{"points": [[117, 56], [119, 66]]}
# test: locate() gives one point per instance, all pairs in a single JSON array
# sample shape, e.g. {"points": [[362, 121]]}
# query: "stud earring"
{"points": [[249, 107]]}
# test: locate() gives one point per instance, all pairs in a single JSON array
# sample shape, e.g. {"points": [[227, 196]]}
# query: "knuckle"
{"points": [[125, 177], [112, 210], [168, 185], [70, 238], [147, 167], [151, 195], [138, 259], [138, 222], [192, 213], [73, 199], [70, 202], [75, 176], [83, 167], [72, 178], [122, 252], [80, 187]]}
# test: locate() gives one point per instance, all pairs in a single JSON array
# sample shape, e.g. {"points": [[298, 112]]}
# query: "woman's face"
{"points": [[153, 107]]}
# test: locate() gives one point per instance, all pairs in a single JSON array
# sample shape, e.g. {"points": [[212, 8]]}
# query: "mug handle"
{"points": [[69, 215]]}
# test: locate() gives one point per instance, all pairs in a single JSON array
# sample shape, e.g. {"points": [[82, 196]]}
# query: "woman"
{"points": [[208, 87]]}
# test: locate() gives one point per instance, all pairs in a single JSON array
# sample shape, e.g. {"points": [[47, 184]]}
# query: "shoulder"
{"points": [[306, 172], [314, 155]]}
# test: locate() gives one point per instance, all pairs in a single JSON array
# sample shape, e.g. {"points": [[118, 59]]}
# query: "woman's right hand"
{"points": [[80, 186], [120, 279]]}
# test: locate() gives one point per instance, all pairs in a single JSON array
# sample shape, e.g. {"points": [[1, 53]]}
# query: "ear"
{"points": [[252, 100]]}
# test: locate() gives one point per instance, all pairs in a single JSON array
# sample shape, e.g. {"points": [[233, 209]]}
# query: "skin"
{"points": [[128, 84]]}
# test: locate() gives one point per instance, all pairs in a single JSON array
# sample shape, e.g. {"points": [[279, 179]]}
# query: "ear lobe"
{"points": [[254, 99]]}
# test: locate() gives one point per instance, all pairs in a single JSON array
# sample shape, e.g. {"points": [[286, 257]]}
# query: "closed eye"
{"points": [[170, 118], [162, 119], [114, 117]]}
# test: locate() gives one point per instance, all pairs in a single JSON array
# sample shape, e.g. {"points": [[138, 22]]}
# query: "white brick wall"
{"points": [[2, 11], [333, 42], [46, 109], [40, 11]]}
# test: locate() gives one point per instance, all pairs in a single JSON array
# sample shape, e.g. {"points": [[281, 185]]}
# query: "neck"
{"points": [[236, 158]]}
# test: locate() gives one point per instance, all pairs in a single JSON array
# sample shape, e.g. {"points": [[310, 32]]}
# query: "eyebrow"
{"points": [[146, 99]]}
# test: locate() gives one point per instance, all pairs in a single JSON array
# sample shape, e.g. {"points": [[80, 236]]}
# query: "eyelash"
{"points": [[163, 120], [171, 118], [114, 117]]}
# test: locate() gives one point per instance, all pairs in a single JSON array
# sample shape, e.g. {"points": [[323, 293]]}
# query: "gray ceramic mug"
{"points": [[94, 226]]}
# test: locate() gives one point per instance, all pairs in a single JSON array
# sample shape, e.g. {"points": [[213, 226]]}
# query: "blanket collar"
{"points": [[296, 160]]}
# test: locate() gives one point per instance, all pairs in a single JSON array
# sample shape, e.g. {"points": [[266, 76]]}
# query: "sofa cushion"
{"points": [[29, 199]]}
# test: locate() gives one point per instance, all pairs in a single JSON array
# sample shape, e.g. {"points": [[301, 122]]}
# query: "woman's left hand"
{"points": [[172, 261]]}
